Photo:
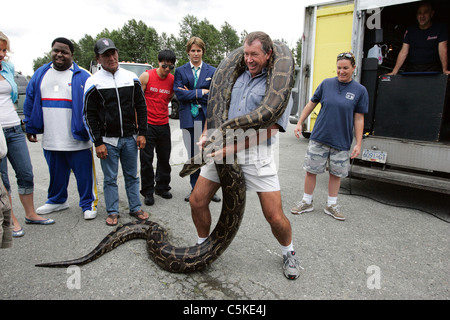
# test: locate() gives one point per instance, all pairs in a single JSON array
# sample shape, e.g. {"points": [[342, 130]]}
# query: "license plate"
{"points": [[374, 156]]}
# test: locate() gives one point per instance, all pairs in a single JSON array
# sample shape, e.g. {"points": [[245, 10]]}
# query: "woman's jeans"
{"points": [[19, 157], [127, 152]]}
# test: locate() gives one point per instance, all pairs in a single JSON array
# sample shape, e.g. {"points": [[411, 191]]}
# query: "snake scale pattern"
{"points": [[280, 80]]}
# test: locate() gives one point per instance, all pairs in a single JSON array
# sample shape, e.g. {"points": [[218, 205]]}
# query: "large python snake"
{"points": [[280, 80]]}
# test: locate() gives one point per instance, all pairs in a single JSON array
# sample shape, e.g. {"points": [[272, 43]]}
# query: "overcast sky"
{"points": [[33, 25]]}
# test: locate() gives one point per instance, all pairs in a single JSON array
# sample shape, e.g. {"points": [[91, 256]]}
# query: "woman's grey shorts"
{"points": [[319, 154]]}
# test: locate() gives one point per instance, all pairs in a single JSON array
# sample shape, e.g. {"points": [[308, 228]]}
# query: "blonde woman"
{"points": [[18, 154]]}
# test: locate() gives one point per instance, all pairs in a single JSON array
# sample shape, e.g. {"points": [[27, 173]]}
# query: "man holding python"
{"points": [[255, 155]]}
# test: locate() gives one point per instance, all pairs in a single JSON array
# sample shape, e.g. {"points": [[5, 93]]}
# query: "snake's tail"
{"points": [[192, 165], [75, 262], [121, 235]]}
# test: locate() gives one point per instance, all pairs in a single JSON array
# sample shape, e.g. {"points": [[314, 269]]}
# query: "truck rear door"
{"points": [[328, 33]]}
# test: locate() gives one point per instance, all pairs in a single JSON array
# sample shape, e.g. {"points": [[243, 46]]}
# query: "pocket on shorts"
{"points": [[340, 163], [266, 167], [316, 157]]}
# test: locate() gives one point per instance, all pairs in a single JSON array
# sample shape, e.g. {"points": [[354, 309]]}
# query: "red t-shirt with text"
{"points": [[157, 96]]}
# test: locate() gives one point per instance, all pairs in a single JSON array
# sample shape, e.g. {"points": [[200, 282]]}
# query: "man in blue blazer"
{"points": [[191, 86]]}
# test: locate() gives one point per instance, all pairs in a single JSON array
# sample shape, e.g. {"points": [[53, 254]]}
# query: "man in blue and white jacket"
{"points": [[53, 107], [115, 115]]}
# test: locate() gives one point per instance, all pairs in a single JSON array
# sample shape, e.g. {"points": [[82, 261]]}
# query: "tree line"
{"points": [[138, 42]]}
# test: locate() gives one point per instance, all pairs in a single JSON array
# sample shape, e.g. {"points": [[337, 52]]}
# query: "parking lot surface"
{"points": [[394, 244]]}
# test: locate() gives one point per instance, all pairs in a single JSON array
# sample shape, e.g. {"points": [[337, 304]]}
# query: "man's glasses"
{"points": [[165, 66]]}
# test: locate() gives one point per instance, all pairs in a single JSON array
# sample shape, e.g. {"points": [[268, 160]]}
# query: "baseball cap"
{"points": [[104, 44]]}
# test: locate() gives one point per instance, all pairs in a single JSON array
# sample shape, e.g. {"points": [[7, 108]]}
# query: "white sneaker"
{"points": [[49, 208], [90, 214], [291, 266], [302, 207], [334, 211]]}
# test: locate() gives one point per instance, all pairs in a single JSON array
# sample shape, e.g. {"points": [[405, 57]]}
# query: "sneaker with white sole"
{"points": [[291, 266], [90, 214], [49, 208], [335, 212], [302, 207]]}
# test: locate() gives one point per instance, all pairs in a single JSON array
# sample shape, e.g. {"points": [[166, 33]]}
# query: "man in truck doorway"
{"points": [[424, 45]]}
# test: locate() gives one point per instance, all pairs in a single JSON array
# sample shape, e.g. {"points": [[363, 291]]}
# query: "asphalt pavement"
{"points": [[394, 244]]}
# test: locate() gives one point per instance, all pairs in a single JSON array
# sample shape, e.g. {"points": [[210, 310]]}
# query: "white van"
{"points": [[136, 68]]}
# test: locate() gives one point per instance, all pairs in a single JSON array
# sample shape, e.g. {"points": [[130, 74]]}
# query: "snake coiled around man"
{"points": [[280, 80]]}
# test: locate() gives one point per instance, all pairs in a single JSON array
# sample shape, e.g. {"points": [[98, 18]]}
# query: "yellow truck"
{"points": [[407, 130]]}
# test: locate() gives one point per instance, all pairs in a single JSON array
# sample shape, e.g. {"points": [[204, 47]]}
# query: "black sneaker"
{"points": [[188, 197], [163, 193], [149, 200], [215, 198]]}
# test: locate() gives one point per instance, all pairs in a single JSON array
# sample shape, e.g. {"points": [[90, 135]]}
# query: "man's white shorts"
{"points": [[259, 177]]}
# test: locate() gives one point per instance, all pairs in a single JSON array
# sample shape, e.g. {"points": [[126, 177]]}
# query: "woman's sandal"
{"points": [[114, 218], [18, 233]]}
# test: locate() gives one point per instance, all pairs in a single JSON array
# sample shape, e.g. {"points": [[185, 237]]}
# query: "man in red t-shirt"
{"points": [[157, 85]]}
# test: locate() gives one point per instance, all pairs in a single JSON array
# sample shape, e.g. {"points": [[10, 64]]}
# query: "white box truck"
{"points": [[407, 130]]}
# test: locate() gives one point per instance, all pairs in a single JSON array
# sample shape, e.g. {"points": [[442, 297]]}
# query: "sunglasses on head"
{"points": [[165, 66], [347, 55]]}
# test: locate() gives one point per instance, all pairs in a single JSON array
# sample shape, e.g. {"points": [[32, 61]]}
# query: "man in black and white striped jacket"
{"points": [[115, 116]]}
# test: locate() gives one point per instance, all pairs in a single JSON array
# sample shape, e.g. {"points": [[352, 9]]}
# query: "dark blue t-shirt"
{"points": [[340, 101], [424, 43]]}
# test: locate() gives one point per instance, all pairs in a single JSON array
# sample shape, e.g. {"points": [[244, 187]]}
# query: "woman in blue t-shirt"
{"points": [[344, 102]]}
